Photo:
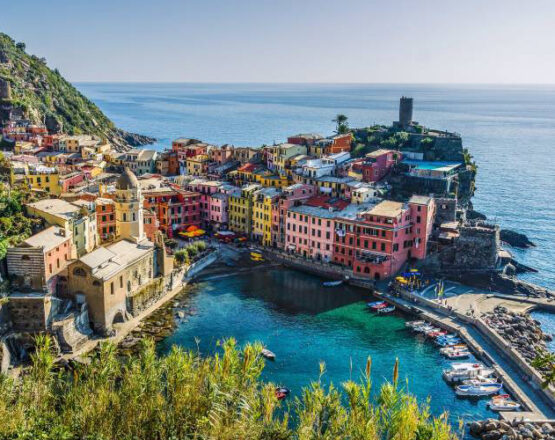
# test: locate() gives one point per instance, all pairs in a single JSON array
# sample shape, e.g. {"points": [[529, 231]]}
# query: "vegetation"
{"points": [[545, 362], [42, 92], [187, 254], [14, 225], [186, 396], [341, 124]]}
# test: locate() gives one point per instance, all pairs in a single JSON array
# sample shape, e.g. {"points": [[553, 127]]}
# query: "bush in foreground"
{"points": [[185, 396]]}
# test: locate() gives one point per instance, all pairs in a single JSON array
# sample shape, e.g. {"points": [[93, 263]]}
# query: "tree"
{"points": [[545, 362], [341, 124], [21, 46]]}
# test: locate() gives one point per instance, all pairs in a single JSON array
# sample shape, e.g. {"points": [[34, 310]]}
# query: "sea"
{"points": [[509, 130]]}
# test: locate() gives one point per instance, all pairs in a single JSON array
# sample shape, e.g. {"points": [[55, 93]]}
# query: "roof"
{"points": [[387, 208], [307, 136], [105, 262], [420, 200], [127, 180], [334, 179], [57, 207], [379, 152], [48, 239], [349, 212]]}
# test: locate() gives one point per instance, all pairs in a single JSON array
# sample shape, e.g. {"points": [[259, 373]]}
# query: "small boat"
{"points": [[503, 403], [444, 341], [463, 354], [256, 255], [375, 303], [455, 347], [435, 333], [270, 355], [480, 380], [282, 392], [424, 328], [413, 324], [478, 390], [332, 283], [460, 371], [386, 309]]}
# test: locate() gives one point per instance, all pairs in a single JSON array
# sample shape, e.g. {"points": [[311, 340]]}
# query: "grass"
{"points": [[186, 396]]}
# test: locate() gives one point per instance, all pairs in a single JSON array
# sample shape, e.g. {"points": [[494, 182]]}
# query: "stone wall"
{"points": [[72, 329], [446, 210]]}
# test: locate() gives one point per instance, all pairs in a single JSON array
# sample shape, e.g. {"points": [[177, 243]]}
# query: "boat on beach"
{"points": [[478, 390], [270, 355], [332, 283]]}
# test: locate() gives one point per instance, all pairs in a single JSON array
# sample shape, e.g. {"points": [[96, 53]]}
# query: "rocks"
{"points": [[515, 239], [520, 330], [517, 430]]}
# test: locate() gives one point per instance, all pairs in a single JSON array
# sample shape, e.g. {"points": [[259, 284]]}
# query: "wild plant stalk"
{"points": [[186, 396]]}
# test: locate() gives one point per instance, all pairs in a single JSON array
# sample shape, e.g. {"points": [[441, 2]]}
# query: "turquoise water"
{"points": [[305, 324], [547, 321]]}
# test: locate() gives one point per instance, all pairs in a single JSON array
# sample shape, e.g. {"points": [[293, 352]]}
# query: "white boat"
{"points": [[270, 355], [461, 354], [332, 283], [503, 403], [423, 328], [478, 390], [452, 348], [413, 324], [387, 309], [460, 371], [480, 380]]}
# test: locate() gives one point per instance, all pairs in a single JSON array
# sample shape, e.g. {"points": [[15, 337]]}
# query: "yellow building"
{"points": [[240, 209], [283, 152], [44, 179], [198, 165], [263, 201], [272, 180], [22, 147]]}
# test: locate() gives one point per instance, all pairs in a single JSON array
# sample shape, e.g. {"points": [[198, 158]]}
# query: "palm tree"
{"points": [[341, 124], [545, 362]]}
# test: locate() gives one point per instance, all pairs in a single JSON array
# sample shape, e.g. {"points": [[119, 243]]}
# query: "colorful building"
{"points": [[240, 209], [263, 202]]}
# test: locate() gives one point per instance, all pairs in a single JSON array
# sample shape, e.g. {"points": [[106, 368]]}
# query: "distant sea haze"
{"points": [[510, 131]]}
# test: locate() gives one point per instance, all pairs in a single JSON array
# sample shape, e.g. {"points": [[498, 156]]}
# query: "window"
{"points": [[80, 272], [383, 247], [112, 288]]}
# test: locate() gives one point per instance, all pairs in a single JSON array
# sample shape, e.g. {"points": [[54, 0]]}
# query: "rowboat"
{"points": [[386, 309], [478, 390], [503, 403], [270, 355], [332, 283]]}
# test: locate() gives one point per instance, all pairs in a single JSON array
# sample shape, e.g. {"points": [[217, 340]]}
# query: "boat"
{"points": [[503, 403], [478, 390], [413, 324], [332, 283], [455, 347], [386, 309], [375, 303], [270, 355], [435, 333], [282, 392], [447, 341], [423, 328], [460, 371], [463, 354], [480, 380]]}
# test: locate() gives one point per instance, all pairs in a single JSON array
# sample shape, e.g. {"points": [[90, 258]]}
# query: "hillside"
{"points": [[30, 87]]}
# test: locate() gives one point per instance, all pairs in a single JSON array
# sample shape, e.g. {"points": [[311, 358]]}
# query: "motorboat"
{"points": [[375, 303], [423, 328], [332, 283], [378, 305], [413, 324], [480, 380], [386, 309], [282, 392], [270, 355], [460, 371], [503, 403], [436, 333], [478, 390], [447, 341], [462, 354], [455, 347]]}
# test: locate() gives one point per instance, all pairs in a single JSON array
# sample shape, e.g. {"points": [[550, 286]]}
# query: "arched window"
{"points": [[124, 217], [96, 283], [80, 272]]}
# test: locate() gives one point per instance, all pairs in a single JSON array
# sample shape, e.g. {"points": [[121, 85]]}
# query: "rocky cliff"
{"points": [[30, 89]]}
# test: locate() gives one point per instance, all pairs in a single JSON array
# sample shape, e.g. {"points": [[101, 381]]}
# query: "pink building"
{"points": [[221, 155], [290, 196], [218, 216], [377, 164], [206, 188]]}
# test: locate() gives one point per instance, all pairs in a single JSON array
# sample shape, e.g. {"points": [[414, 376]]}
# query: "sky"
{"points": [[360, 41]]}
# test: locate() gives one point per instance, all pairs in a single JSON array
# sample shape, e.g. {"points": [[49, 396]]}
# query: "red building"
{"points": [[381, 240], [105, 218], [376, 165], [175, 209], [340, 143], [68, 181]]}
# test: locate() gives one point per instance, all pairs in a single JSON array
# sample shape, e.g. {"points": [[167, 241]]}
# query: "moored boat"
{"points": [[478, 390], [462, 354], [480, 380], [386, 309], [270, 355], [282, 393], [413, 324], [455, 347], [332, 283], [503, 403], [460, 371]]}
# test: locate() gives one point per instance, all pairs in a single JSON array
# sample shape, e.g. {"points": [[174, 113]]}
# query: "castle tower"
{"points": [[129, 204], [405, 111], [5, 90]]}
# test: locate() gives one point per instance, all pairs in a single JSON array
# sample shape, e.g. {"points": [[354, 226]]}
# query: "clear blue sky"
{"points": [[411, 41]]}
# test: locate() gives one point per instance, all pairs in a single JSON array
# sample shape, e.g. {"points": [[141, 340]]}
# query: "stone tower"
{"points": [[129, 207], [405, 111], [5, 90]]}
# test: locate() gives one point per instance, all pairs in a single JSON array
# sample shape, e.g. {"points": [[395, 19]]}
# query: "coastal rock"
{"points": [[515, 239]]}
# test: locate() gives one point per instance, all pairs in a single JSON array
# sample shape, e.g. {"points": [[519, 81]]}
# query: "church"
{"points": [[107, 278]]}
